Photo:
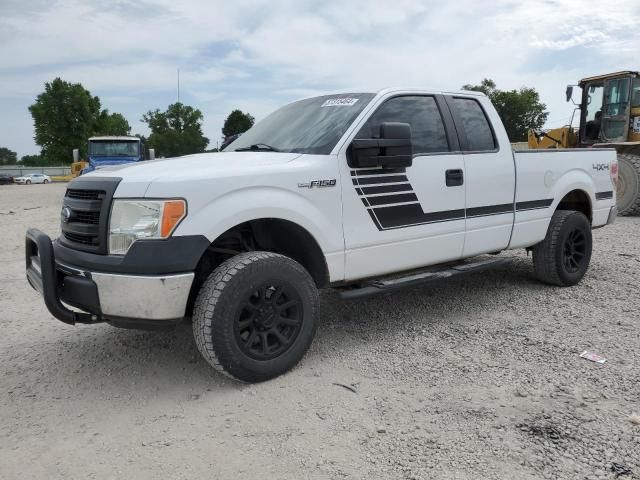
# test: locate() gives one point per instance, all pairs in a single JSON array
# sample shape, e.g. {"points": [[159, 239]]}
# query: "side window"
{"points": [[427, 128], [635, 93], [475, 124]]}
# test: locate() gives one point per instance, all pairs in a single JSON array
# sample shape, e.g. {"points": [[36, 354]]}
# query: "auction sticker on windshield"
{"points": [[339, 102]]}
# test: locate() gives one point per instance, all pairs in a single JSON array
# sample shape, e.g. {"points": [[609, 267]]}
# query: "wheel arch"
{"points": [[579, 200], [269, 234]]}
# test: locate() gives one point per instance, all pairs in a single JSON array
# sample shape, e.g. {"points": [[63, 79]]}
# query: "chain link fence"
{"points": [[19, 170]]}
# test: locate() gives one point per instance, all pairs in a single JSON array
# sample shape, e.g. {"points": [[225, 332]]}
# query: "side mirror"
{"points": [[569, 92], [392, 150], [152, 154]]}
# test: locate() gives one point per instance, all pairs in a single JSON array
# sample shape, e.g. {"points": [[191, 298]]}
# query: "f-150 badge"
{"points": [[318, 183]]}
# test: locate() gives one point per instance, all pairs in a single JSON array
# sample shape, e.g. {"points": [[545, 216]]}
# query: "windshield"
{"points": [[313, 125], [110, 148]]}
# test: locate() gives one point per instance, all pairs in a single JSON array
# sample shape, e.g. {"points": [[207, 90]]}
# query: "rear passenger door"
{"points": [[489, 174], [399, 219]]}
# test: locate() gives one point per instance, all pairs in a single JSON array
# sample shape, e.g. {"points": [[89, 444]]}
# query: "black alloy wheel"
{"points": [[574, 251], [255, 316], [269, 321], [563, 257]]}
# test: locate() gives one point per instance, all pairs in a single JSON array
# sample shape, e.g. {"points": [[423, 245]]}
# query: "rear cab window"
{"points": [[473, 125]]}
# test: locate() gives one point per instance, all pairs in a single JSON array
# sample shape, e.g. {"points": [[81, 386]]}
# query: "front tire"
{"points": [[45, 181], [28, 182], [255, 316], [563, 257]]}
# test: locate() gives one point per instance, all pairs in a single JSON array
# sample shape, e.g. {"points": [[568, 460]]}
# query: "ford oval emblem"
{"points": [[66, 214]]}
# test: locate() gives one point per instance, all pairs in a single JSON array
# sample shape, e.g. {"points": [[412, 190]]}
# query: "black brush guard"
{"points": [[42, 276]]}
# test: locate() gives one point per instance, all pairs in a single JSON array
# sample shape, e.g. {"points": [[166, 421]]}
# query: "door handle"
{"points": [[454, 178]]}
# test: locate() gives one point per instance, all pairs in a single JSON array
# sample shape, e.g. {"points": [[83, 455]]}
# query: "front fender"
{"points": [[317, 211]]}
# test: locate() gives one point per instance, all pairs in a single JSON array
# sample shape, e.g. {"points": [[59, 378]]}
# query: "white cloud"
{"points": [[257, 54]]}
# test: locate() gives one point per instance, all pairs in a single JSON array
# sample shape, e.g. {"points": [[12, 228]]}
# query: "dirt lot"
{"points": [[477, 378]]}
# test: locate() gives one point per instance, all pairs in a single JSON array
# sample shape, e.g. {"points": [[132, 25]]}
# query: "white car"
{"points": [[360, 192], [30, 178]]}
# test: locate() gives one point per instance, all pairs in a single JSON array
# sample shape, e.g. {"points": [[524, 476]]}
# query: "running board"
{"points": [[376, 287]]}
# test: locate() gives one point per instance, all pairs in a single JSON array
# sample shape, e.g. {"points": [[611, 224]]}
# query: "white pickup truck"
{"points": [[360, 192]]}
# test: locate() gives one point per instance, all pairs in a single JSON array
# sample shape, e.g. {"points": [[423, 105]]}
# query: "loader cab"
{"points": [[608, 108]]}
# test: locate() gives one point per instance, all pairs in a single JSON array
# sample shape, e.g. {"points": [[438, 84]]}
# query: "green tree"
{"points": [[519, 110], [31, 160], [178, 131], [65, 115], [8, 157], [237, 122], [112, 124], [487, 86]]}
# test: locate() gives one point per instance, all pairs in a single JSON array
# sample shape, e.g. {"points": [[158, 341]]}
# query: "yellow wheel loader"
{"points": [[609, 117]]}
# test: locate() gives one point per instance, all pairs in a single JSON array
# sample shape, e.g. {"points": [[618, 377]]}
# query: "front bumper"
{"points": [[116, 298]]}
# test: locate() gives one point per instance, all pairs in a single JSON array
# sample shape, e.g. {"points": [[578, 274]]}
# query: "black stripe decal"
{"points": [[401, 187], [385, 215], [490, 210], [378, 171], [375, 220], [389, 199], [534, 204], [412, 214], [604, 195], [374, 180]]}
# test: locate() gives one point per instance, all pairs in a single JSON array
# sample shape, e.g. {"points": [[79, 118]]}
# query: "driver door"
{"points": [[615, 110], [404, 218]]}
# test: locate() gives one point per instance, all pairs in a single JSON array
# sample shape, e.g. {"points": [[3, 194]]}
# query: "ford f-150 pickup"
{"points": [[361, 192]]}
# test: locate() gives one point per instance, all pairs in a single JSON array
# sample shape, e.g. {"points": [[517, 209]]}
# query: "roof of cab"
{"points": [[384, 91], [623, 73], [114, 138]]}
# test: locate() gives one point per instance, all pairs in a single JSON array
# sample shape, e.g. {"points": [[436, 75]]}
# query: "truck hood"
{"points": [[100, 162], [136, 177]]}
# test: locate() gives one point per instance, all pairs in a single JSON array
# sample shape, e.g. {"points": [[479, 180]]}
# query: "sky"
{"points": [[260, 54]]}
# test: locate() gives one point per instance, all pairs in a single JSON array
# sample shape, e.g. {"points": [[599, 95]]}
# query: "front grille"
{"points": [[82, 239], [81, 217], [85, 212], [84, 194], [90, 218]]}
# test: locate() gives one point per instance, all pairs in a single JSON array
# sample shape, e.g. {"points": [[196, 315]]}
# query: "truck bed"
{"points": [[544, 177]]}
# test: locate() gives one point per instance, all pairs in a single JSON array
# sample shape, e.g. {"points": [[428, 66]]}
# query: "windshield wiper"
{"points": [[257, 146]]}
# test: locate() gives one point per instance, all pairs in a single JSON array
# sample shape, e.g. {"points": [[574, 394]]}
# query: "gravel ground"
{"points": [[478, 377]]}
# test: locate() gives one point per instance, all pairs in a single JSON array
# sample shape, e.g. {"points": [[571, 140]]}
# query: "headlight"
{"points": [[133, 220]]}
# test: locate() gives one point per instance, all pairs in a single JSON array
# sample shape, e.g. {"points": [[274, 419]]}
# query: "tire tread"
{"points": [[211, 293], [545, 262], [634, 160]]}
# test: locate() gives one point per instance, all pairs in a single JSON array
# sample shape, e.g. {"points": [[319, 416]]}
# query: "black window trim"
{"points": [[464, 142], [445, 115]]}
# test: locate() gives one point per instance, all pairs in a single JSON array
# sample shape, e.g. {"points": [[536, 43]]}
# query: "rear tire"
{"points": [[255, 316], [628, 192], [563, 257], [28, 182]]}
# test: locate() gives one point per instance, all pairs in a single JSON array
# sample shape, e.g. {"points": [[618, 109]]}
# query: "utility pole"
{"points": [[178, 85]]}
